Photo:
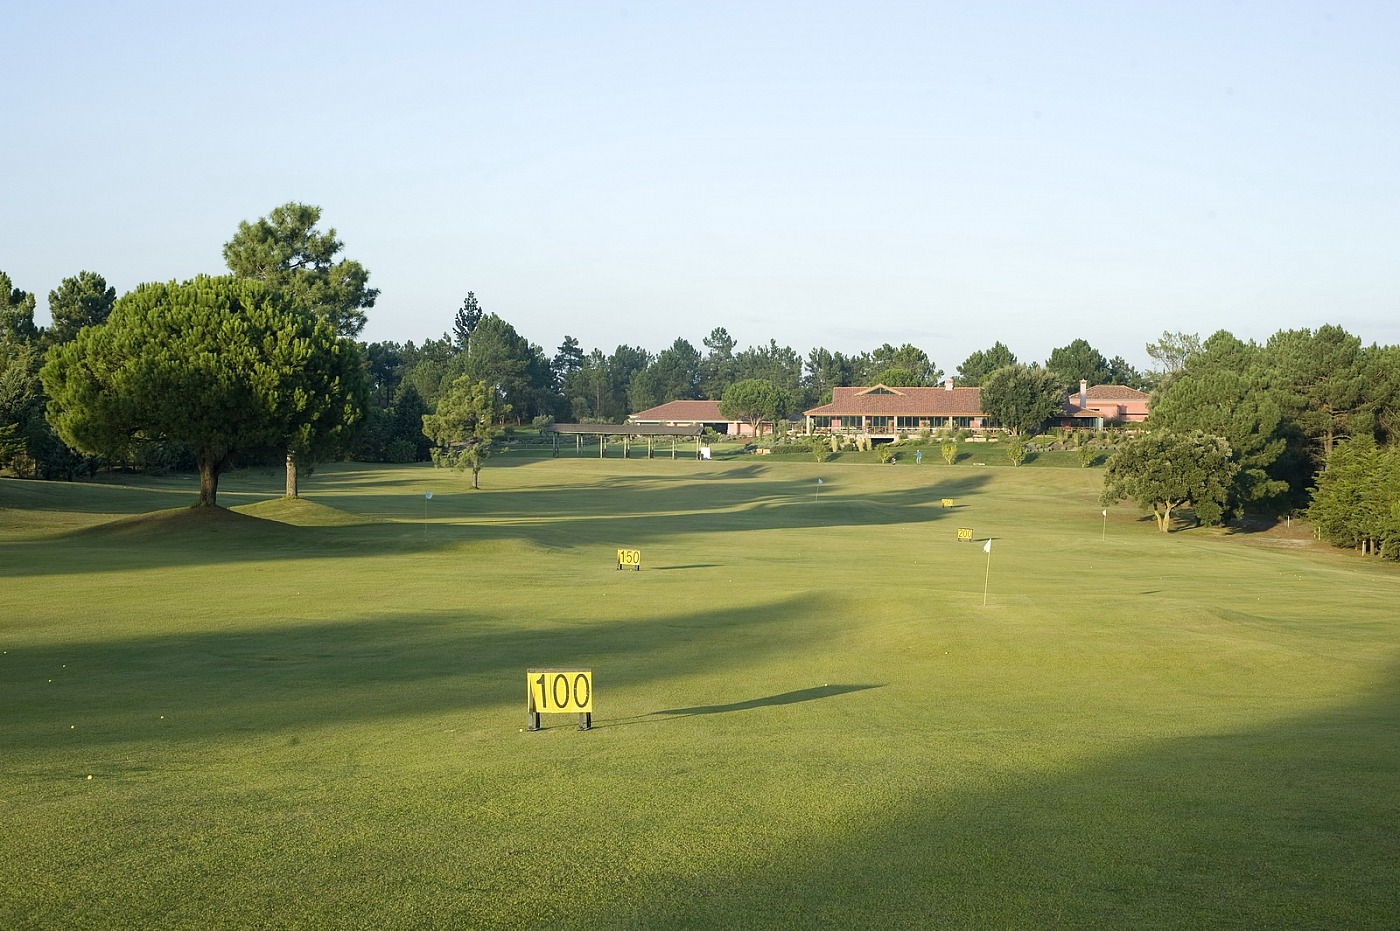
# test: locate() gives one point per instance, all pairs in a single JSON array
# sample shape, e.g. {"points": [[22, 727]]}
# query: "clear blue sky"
{"points": [[837, 174]]}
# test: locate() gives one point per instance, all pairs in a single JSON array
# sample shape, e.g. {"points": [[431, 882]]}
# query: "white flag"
{"points": [[987, 547], [819, 481], [1105, 512]]}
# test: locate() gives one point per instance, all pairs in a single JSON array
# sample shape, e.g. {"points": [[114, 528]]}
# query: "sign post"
{"points": [[559, 691]]}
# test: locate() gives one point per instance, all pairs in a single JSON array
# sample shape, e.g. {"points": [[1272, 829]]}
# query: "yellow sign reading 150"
{"points": [[560, 691], [632, 558]]}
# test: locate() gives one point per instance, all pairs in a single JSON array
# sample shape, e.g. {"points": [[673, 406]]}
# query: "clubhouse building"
{"points": [[882, 412]]}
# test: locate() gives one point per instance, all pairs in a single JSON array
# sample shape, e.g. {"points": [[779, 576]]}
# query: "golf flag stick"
{"points": [[817, 494], [987, 548], [1104, 534]]}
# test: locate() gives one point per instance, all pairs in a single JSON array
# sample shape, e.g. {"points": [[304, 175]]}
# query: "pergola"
{"points": [[628, 432]]}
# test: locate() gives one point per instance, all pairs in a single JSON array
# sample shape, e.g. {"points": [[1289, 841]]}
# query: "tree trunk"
{"points": [[292, 488], [476, 471], [209, 470], [1164, 517]]}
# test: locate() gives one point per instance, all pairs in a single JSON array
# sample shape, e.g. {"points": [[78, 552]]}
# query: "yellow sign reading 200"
{"points": [[965, 534], [560, 691]]}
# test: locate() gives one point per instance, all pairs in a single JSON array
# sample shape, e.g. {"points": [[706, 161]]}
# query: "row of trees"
{"points": [[265, 360], [1308, 419], [598, 386], [1356, 501], [290, 256], [216, 370]]}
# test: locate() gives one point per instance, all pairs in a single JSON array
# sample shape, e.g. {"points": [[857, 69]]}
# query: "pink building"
{"points": [[1103, 404], [693, 414]]}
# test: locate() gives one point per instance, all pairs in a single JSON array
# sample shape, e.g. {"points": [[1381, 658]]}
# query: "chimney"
{"points": [[1083, 392], [948, 385]]}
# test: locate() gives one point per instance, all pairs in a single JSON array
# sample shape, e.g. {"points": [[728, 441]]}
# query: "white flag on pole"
{"points": [[1105, 512], [987, 547]]}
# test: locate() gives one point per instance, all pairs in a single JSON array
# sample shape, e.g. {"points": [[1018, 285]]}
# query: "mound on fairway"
{"points": [[299, 512]]}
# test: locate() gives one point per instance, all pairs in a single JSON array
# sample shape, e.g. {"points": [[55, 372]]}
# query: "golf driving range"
{"points": [[813, 706]]}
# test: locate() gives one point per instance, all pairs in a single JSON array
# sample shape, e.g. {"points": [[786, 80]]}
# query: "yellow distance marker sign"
{"points": [[629, 559], [947, 502], [964, 534], [559, 691]]}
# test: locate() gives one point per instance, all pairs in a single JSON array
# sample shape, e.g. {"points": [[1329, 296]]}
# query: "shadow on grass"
{"points": [[1291, 824], [208, 684], [786, 698], [635, 508]]}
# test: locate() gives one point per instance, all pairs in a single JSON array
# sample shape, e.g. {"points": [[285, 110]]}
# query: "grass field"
{"points": [[309, 715]]}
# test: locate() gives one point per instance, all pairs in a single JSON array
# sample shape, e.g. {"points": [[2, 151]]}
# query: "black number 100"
{"points": [[566, 694]]}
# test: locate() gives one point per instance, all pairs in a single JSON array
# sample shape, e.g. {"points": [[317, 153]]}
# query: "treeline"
{"points": [[1311, 421], [1310, 417], [596, 386], [28, 444]]}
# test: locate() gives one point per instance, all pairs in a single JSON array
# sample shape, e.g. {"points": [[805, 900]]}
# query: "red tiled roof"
{"points": [[1113, 393], [906, 402], [681, 412]]}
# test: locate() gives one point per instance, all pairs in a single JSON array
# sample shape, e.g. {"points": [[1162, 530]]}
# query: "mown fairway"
{"points": [[806, 718]]}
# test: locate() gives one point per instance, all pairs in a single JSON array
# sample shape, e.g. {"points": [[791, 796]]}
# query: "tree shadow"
{"points": [[213, 683], [1291, 824], [786, 698], [632, 508]]}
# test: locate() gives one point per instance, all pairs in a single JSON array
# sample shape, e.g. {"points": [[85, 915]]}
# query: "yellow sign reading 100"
{"points": [[632, 558], [560, 691]]}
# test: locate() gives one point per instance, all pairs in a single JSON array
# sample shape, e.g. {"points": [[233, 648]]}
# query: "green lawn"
{"points": [[311, 715]]}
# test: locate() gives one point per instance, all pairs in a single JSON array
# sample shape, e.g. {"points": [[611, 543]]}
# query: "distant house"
{"points": [[882, 412], [1093, 407], [692, 414]]}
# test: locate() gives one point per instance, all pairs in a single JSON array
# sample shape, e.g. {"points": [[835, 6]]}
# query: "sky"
{"points": [[823, 174]]}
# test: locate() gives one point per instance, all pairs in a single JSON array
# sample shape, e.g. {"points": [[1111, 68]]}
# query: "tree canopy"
{"points": [[16, 313], [1356, 501], [1021, 398], [465, 425], [1163, 471], [1078, 361], [1222, 390], [754, 400], [286, 250], [81, 301], [219, 365], [976, 367]]}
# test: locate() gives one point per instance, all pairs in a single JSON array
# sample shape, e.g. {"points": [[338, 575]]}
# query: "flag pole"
{"points": [[1103, 535], [987, 548]]}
